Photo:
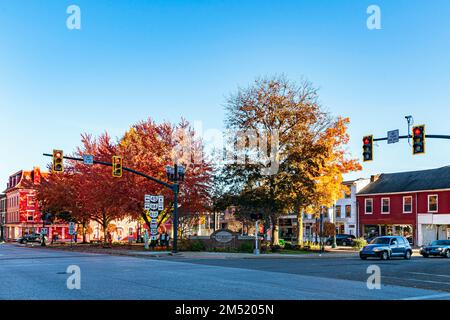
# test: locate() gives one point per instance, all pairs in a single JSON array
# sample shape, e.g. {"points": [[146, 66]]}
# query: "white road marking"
{"points": [[430, 274], [433, 296]]}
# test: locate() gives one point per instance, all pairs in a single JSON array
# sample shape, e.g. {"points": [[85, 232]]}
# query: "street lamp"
{"points": [[175, 174], [333, 214]]}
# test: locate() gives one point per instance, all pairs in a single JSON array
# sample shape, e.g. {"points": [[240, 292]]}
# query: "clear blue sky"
{"points": [[167, 59]]}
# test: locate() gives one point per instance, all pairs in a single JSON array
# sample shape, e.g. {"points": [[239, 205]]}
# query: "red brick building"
{"points": [[414, 204], [22, 211]]}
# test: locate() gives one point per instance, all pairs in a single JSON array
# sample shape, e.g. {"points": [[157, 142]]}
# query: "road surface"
{"points": [[35, 273]]}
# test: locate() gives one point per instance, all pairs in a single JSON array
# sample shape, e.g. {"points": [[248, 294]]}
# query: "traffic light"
{"points": [[368, 148], [117, 166], [418, 139], [58, 158]]}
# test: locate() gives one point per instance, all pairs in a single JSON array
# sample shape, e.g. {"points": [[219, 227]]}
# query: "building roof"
{"points": [[434, 179]]}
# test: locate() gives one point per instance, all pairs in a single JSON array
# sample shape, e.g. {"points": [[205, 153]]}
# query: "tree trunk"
{"points": [[84, 231], [275, 236], [105, 229]]}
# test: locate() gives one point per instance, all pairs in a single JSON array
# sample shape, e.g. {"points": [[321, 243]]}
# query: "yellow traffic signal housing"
{"points": [[418, 135], [368, 148], [58, 161], [117, 166]]}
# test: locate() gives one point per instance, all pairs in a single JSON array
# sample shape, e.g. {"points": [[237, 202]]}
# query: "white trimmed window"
{"points": [[433, 203], [30, 215], [407, 204], [385, 205], [338, 211], [368, 206], [348, 211]]}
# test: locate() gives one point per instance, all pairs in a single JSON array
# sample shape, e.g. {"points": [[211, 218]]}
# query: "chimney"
{"points": [[374, 178], [36, 175]]}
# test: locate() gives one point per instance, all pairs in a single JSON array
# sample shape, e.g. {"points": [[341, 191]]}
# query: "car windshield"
{"points": [[441, 243], [380, 241]]}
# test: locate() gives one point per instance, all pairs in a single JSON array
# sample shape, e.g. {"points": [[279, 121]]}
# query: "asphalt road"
{"points": [[34, 273]]}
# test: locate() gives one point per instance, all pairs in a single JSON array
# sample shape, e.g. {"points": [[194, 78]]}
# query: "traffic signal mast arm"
{"points": [[109, 164], [429, 136]]}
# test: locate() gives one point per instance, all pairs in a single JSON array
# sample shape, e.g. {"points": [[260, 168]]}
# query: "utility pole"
{"points": [[256, 237]]}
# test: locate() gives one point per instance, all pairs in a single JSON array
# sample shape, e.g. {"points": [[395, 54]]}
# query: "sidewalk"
{"points": [[329, 253], [197, 255]]}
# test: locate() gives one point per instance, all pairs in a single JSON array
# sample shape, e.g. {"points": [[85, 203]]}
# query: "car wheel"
{"points": [[384, 255], [363, 258], [344, 243], [328, 243], [24, 241], [425, 255], [408, 255], [447, 254]]}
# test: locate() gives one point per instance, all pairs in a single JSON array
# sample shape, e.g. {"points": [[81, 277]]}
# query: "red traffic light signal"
{"points": [[368, 148], [58, 161], [418, 139], [117, 166]]}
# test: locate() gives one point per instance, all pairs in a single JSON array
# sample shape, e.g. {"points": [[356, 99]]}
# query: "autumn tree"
{"points": [[149, 147], [290, 153]]}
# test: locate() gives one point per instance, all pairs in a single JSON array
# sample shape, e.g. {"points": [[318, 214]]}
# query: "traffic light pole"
{"points": [[428, 136], [174, 187]]}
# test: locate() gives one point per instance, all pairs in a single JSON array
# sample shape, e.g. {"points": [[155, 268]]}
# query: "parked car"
{"points": [[387, 247], [436, 248], [341, 240], [35, 237]]}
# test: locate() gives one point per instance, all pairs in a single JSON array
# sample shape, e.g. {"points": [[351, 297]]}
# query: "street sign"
{"points": [[72, 228], [153, 238], [154, 214], [153, 232], [88, 159], [153, 203], [44, 231], [393, 136], [161, 203]]}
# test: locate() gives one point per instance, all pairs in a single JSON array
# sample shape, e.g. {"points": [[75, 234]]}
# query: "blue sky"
{"points": [[166, 59]]}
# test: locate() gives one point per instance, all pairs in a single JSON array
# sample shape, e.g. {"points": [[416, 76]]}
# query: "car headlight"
{"points": [[376, 249], [439, 249]]}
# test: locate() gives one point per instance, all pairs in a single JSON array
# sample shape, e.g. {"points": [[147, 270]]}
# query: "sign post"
{"points": [[256, 237], [153, 204], [72, 231]]}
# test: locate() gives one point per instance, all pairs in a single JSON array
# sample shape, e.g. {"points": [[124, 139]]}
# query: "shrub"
{"points": [[276, 248], [281, 242], [184, 245], [197, 245], [246, 247], [289, 246], [359, 243]]}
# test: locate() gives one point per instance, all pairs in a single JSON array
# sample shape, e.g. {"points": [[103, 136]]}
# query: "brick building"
{"points": [[22, 211]]}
